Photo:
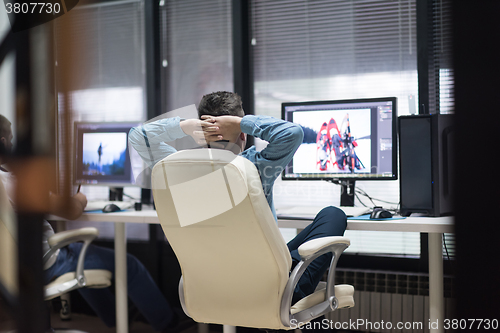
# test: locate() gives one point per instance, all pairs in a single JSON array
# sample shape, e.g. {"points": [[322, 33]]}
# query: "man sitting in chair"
{"points": [[224, 124]]}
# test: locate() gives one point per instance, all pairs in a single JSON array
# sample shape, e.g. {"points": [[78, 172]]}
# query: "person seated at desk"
{"points": [[221, 117], [142, 290]]}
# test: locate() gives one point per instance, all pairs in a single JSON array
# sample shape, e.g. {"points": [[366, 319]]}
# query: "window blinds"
{"points": [[323, 50], [110, 44], [441, 79], [196, 50], [108, 64]]}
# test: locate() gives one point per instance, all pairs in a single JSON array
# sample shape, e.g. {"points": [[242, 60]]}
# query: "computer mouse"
{"points": [[110, 208], [380, 213]]}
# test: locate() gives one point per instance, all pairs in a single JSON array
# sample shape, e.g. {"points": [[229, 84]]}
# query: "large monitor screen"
{"points": [[101, 151], [345, 139]]}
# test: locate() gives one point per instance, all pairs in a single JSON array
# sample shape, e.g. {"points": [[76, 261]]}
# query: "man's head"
{"points": [[224, 103], [221, 103], [5, 135]]}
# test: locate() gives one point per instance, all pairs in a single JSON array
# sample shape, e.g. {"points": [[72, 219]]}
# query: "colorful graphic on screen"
{"points": [[104, 154], [334, 141]]}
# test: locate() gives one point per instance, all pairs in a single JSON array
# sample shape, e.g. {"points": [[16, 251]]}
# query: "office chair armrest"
{"points": [[311, 247], [71, 236], [308, 252], [64, 238]]}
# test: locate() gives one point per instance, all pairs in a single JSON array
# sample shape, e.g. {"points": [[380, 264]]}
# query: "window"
{"points": [[196, 50], [108, 63], [324, 50], [441, 77]]}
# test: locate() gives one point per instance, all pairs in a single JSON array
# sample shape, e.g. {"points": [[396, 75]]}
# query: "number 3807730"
{"points": [[455, 324], [33, 8]]}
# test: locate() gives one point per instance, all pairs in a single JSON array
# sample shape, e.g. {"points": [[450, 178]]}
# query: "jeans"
{"points": [[142, 290], [330, 221]]}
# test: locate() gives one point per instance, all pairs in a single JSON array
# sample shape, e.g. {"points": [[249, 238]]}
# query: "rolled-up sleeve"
{"points": [[150, 140], [283, 137]]}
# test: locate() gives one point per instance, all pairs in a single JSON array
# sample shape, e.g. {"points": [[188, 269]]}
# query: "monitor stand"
{"points": [[146, 196], [116, 194], [347, 188]]}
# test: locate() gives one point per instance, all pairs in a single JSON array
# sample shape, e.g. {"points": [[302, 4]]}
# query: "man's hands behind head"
{"points": [[223, 128], [199, 130], [210, 128]]}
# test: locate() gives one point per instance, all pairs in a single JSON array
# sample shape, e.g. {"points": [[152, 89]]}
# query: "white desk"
{"points": [[434, 226]]}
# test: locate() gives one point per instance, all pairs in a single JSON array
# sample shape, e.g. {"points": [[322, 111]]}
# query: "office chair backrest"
{"points": [[235, 263]]}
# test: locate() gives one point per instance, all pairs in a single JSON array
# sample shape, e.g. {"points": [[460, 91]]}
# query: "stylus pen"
{"points": [[79, 186]]}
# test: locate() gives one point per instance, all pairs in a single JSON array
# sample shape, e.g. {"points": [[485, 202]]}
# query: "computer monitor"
{"points": [[344, 141], [101, 154]]}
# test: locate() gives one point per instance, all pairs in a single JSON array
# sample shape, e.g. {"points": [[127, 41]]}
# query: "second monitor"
{"points": [[101, 154], [344, 141]]}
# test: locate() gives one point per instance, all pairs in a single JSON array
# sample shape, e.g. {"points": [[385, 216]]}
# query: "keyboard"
{"points": [[311, 211], [100, 204]]}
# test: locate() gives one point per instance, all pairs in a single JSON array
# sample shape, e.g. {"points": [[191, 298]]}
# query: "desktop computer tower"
{"points": [[426, 164]]}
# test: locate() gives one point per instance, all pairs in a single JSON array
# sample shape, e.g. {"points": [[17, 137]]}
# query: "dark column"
{"points": [[28, 159], [476, 30], [424, 45], [242, 56], [153, 66]]}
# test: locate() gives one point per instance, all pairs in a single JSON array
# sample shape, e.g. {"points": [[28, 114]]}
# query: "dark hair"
{"points": [[4, 131], [221, 103], [4, 126]]}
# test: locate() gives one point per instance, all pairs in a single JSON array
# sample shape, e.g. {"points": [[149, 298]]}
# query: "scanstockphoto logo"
{"points": [[28, 14], [415, 326], [359, 324]]}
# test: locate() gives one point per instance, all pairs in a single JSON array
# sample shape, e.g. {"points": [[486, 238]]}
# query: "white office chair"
{"points": [[235, 263], [90, 278]]}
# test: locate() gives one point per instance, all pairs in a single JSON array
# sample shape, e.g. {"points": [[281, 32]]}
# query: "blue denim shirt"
{"points": [[284, 138]]}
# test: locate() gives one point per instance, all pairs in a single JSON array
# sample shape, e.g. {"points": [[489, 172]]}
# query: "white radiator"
{"points": [[385, 312]]}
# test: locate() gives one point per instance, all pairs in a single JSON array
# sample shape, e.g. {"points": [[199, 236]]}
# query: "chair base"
{"points": [[95, 278], [343, 292]]}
